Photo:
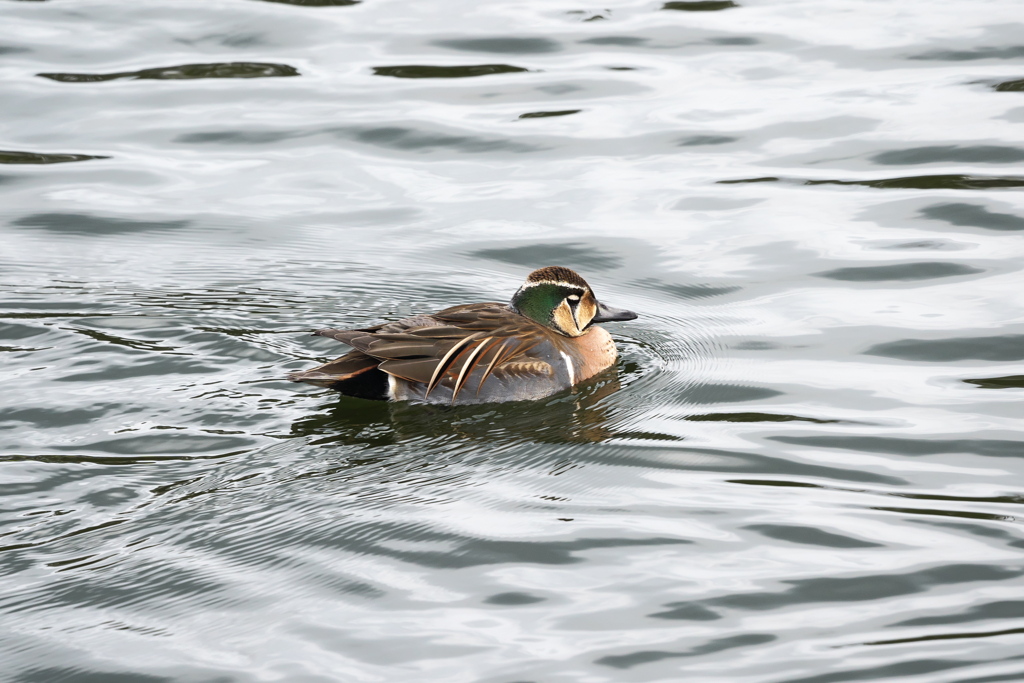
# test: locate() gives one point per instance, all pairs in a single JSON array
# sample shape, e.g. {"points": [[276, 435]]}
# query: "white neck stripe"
{"points": [[558, 283], [569, 367]]}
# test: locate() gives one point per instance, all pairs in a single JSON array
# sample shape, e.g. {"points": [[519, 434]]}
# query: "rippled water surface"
{"points": [[806, 468]]}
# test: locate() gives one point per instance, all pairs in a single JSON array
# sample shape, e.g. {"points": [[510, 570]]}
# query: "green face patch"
{"points": [[539, 301]]}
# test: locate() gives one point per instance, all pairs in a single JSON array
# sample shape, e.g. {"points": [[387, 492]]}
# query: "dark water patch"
{"points": [[184, 72], [726, 393], [934, 245], [49, 480], [686, 611], [1008, 382], [717, 645], [243, 40], [1015, 115], [463, 552], [864, 588], [12, 157], [622, 41], [109, 497], [980, 530], [108, 338], [151, 584], [1005, 347], [56, 417], [591, 18], [986, 154], [110, 459], [77, 675], [427, 71], [559, 88], [703, 140], [926, 270], [729, 461], [1004, 609], [166, 443], [578, 256], [700, 5], [915, 667], [995, 448], [387, 137], [686, 292], [339, 417], [317, 3], [713, 204], [1013, 499], [1008, 52], [1010, 86], [754, 417], [977, 530], [734, 40], [237, 137], [931, 182], [973, 215], [947, 636], [765, 179], [926, 182], [36, 315], [808, 535], [12, 50], [513, 598], [996, 678], [11, 331], [502, 45], [648, 436], [408, 139], [545, 114], [964, 514], [756, 346], [84, 224]]}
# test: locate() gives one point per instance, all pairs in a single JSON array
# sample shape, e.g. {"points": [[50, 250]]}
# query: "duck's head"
{"points": [[560, 299]]}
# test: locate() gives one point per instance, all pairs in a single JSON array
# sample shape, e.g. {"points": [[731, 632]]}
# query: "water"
{"points": [[805, 469]]}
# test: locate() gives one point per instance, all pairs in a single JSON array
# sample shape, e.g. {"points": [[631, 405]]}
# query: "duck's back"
{"points": [[476, 353]]}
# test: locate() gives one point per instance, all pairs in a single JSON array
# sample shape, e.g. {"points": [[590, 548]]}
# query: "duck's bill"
{"points": [[607, 314]]}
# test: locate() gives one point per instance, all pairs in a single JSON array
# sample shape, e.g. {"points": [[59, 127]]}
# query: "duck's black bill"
{"points": [[607, 314]]}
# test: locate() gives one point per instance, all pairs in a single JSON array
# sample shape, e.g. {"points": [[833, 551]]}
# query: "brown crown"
{"points": [[557, 274]]}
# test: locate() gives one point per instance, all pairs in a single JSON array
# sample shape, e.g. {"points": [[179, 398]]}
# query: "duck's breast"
{"points": [[591, 353]]}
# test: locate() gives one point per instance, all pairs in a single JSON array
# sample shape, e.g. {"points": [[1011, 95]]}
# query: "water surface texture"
{"points": [[806, 468]]}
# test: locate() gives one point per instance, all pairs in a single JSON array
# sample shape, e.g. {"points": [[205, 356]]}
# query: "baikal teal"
{"points": [[545, 341]]}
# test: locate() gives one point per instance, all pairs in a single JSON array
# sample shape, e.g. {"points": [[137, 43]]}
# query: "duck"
{"points": [[544, 341]]}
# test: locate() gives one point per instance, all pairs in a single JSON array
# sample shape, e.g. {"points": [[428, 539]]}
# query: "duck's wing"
{"points": [[446, 346], [349, 367]]}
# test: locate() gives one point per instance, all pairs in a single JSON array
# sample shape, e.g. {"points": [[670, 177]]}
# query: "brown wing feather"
{"points": [[457, 350], [348, 366], [446, 347], [410, 370], [345, 336], [514, 368], [468, 366], [512, 349]]}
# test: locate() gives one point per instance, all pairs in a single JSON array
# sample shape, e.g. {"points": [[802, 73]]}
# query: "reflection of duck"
{"points": [[542, 342], [581, 417]]}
